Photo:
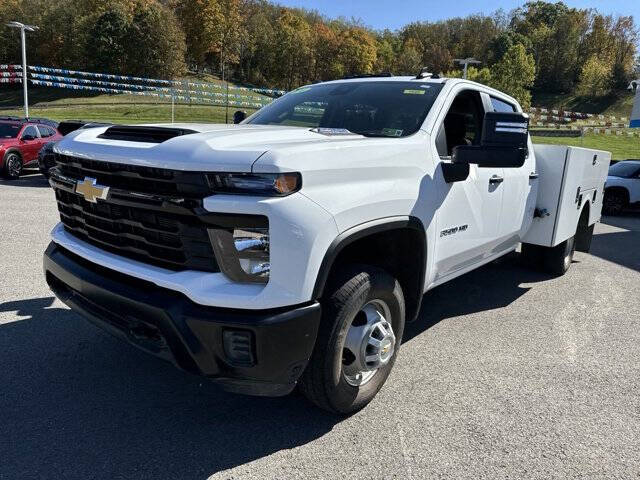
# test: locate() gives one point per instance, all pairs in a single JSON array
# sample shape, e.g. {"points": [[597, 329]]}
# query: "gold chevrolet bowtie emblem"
{"points": [[91, 191]]}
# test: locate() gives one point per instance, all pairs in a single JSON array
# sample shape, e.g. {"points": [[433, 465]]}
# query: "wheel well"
{"points": [[13, 150], [401, 252], [619, 189]]}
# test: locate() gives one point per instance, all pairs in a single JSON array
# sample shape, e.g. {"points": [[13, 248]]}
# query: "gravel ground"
{"points": [[507, 374]]}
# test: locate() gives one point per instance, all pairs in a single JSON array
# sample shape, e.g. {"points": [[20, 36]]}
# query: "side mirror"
{"points": [[503, 145], [27, 137], [239, 116], [490, 157]]}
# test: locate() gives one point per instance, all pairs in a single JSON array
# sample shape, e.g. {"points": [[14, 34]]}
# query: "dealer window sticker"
{"points": [[410, 91], [392, 132]]}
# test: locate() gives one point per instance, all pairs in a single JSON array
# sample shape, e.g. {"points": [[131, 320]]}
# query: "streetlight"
{"points": [[30, 28], [635, 111], [466, 62]]}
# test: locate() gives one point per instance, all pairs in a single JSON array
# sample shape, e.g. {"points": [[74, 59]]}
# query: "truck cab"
{"points": [[291, 249]]}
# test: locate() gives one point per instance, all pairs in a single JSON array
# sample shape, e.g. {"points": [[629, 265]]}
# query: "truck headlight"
{"points": [[266, 184], [242, 253]]}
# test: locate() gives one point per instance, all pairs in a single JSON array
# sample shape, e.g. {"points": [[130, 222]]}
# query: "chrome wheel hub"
{"points": [[369, 345]]}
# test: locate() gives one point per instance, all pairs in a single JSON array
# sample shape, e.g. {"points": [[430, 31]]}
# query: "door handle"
{"points": [[496, 179], [533, 176]]}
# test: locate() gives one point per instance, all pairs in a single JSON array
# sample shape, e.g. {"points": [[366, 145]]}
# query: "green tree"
{"points": [[514, 74], [357, 51], [292, 44], [410, 58], [154, 43], [108, 47], [480, 75], [595, 78], [386, 44], [556, 32], [196, 18]]}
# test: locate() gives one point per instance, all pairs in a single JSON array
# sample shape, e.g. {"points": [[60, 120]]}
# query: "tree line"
{"points": [[541, 46]]}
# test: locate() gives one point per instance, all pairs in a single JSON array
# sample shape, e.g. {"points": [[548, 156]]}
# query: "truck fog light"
{"points": [[242, 253], [252, 245]]}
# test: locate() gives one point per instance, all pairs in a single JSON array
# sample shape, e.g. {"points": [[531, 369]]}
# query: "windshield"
{"points": [[376, 109], [623, 169], [9, 130]]}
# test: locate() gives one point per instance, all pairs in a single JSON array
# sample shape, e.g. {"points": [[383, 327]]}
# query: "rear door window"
{"points": [[502, 106], [45, 131]]}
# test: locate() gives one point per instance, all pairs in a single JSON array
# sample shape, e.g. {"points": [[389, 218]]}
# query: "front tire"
{"points": [[12, 165], [360, 333]]}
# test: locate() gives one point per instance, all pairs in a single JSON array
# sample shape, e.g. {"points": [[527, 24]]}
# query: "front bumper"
{"points": [[167, 324]]}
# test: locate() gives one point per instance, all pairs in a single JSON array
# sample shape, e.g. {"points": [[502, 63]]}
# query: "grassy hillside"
{"points": [[621, 147], [617, 104], [60, 104], [130, 113]]}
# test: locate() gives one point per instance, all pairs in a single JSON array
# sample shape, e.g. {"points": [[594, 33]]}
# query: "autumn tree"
{"points": [[410, 57], [514, 74], [480, 75], [292, 44], [595, 78], [325, 45], [154, 42], [357, 51], [261, 42]]}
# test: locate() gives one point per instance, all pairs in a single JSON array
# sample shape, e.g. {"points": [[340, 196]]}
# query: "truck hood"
{"points": [[212, 148]]}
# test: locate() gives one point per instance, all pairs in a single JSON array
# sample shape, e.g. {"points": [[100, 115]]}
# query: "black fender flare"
{"points": [[366, 229]]}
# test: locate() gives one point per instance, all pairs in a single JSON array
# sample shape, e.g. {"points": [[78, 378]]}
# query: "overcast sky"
{"points": [[381, 14]]}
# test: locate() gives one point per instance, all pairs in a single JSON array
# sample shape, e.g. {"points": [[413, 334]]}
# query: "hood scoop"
{"points": [[143, 134]]}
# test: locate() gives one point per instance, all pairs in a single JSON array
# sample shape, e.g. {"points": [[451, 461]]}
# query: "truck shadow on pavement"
{"points": [[622, 246], [493, 286], [77, 404]]}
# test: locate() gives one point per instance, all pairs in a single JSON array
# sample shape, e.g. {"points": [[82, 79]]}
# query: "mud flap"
{"points": [[584, 234]]}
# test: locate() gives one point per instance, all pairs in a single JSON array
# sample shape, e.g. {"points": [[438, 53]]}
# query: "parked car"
{"points": [[623, 187], [21, 141], [293, 247], [46, 157]]}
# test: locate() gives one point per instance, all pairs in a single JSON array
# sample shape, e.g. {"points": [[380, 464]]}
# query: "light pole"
{"points": [[635, 111], [30, 28], [466, 62]]}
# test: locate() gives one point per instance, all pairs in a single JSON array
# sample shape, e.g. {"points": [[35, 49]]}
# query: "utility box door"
{"points": [[569, 177]]}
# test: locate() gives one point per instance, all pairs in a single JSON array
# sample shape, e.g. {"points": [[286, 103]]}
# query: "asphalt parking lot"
{"points": [[507, 374]]}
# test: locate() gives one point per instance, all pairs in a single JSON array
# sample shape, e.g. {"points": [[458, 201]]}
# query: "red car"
{"points": [[20, 142]]}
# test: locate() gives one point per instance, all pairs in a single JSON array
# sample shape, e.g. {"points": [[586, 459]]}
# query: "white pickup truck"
{"points": [[293, 247]]}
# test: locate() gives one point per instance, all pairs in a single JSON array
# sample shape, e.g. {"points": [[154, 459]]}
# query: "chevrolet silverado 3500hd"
{"points": [[292, 248]]}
